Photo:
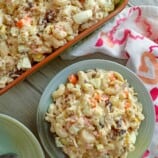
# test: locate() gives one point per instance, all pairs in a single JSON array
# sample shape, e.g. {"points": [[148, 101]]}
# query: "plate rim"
{"points": [[69, 67], [24, 129]]}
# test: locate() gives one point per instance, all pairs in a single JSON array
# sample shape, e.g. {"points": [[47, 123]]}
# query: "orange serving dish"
{"points": [[83, 34]]}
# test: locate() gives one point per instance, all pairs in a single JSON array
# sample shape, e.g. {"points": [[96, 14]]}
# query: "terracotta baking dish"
{"points": [[35, 67]]}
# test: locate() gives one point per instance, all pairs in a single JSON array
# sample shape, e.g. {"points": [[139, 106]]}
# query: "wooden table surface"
{"points": [[21, 102]]}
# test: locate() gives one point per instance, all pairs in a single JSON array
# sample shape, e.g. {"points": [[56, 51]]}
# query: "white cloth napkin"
{"points": [[143, 2], [131, 35]]}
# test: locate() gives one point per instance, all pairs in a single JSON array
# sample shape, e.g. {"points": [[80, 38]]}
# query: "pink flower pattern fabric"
{"points": [[131, 35]]}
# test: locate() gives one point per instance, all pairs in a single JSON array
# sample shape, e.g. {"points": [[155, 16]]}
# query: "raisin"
{"points": [[122, 132], [119, 123], [117, 132], [30, 4], [109, 104], [50, 15], [101, 124]]}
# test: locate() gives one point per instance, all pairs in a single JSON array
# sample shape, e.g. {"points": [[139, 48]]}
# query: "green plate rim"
{"points": [[27, 132], [69, 70]]}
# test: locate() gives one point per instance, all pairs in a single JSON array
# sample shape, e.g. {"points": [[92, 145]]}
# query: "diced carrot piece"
{"points": [[73, 79], [25, 21], [97, 97], [126, 93], [20, 23], [127, 105]]}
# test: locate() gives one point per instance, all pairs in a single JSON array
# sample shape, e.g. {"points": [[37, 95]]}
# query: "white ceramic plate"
{"points": [[16, 138], [147, 126]]}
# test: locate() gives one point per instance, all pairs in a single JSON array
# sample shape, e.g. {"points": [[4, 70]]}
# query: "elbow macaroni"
{"points": [[34, 28], [94, 119]]}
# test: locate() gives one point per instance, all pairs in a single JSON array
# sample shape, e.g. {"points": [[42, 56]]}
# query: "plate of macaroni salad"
{"points": [[31, 30], [95, 108]]}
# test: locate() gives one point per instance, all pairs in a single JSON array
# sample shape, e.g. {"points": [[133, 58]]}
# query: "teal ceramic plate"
{"points": [[16, 138], [147, 126]]}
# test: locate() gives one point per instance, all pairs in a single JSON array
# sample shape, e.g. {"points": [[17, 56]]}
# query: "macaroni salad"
{"points": [[95, 114], [32, 29]]}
